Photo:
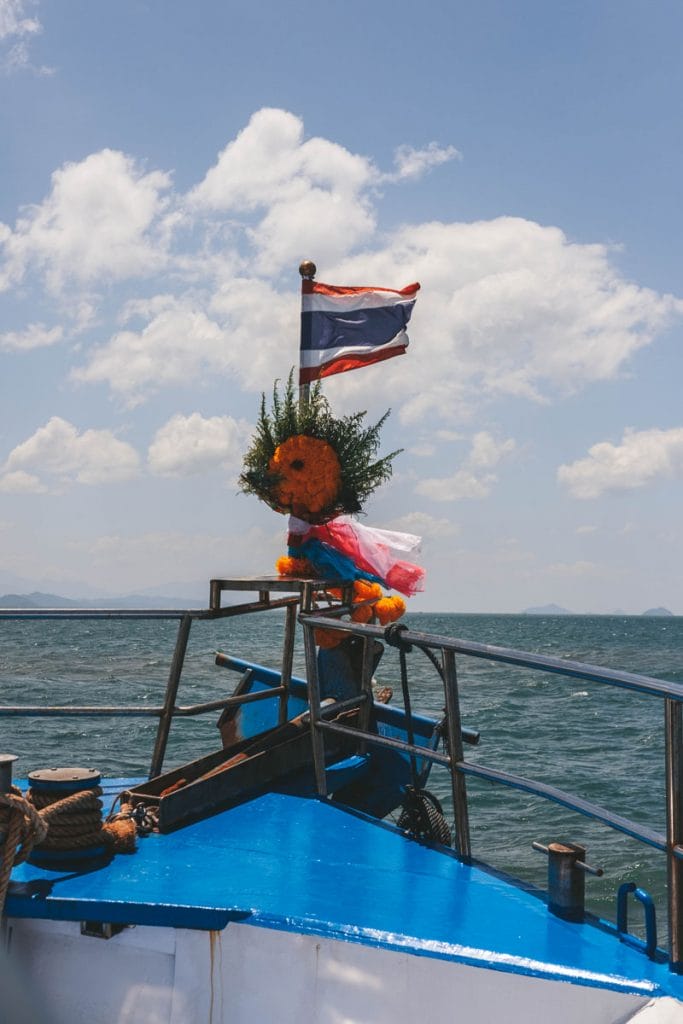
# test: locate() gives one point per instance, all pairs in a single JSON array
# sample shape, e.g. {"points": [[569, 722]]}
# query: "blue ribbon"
{"points": [[330, 563]]}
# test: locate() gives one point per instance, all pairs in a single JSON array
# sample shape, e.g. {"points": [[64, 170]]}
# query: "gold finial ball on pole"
{"points": [[307, 269]]}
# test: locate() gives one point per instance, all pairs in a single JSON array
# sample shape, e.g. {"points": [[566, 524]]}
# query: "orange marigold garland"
{"points": [[308, 473], [288, 566], [305, 461], [318, 468], [384, 609]]}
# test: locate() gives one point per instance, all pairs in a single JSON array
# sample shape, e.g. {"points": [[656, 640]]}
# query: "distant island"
{"points": [[547, 609], [556, 609]]}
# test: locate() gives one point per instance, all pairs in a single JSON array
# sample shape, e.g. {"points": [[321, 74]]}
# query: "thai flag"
{"points": [[346, 328]]}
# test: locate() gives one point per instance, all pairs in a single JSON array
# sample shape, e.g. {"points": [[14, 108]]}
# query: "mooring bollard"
{"points": [[567, 871], [6, 762]]}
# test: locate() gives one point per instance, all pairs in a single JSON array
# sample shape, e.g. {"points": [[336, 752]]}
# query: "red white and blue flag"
{"points": [[346, 328]]}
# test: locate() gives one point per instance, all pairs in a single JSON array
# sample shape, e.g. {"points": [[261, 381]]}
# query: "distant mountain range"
{"points": [[37, 599], [556, 609], [40, 599]]}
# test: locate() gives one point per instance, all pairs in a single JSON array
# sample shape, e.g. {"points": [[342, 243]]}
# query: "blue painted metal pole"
{"points": [[649, 946]]}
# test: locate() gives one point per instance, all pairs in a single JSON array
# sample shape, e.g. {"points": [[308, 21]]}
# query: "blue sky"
{"points": [[164, 170]]}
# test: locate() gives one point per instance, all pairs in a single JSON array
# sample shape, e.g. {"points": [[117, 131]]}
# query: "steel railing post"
{"points": [[673, 723], [174, 675], [365, 712], [459, 786], [317, 739], [287, 660]]}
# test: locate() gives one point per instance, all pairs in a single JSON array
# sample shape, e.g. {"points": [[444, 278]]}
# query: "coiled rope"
{"points": [[74, 821], [421, 815], [23, 828], [50, 822]]}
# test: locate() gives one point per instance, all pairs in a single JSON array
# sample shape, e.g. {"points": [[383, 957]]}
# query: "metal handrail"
{"points": [[301, 593], [170, 614], [510, 656], [135, 710], [169, 709], [671, 693]]}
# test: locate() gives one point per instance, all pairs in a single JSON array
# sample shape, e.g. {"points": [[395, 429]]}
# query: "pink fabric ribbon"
{"points": [[372, 550]]}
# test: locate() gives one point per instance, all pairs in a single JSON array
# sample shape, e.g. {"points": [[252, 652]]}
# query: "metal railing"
{"points": [[169, 708], [302, 594], [446, 648]]}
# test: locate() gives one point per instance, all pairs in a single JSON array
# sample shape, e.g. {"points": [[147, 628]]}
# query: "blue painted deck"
{"points": [[288, 862]]}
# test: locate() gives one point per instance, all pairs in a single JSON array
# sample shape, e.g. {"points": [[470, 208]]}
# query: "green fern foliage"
{"points": [[356, 447]]}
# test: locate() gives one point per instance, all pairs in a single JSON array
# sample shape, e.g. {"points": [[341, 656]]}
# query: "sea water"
{"points": [[602, 743]]}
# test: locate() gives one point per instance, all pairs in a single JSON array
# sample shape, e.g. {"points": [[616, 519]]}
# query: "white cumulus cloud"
{"points": [[173, 348], [32, 336], [487, 451], [94, 224], [16, 30], [263, 327], [508, 306], [643, 457], [475, 478], [425, 526], [269, 161], [194, 444], [21, 482], [412, 163], [13, 21], [461, 485], [245, 329], [311, 195], [58, 450]]}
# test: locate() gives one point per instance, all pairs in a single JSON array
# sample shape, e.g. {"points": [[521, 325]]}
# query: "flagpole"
{"points": [[307, 269]]}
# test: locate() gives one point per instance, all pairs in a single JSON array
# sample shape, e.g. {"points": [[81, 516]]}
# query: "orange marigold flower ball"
{"points": [[362, 614], [364, 590], [288, 566], [383, 608], [309, 474], [388, 609]]}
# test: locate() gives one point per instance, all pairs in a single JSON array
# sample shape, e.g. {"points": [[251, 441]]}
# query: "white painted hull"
{"points": [[247, 974]]}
